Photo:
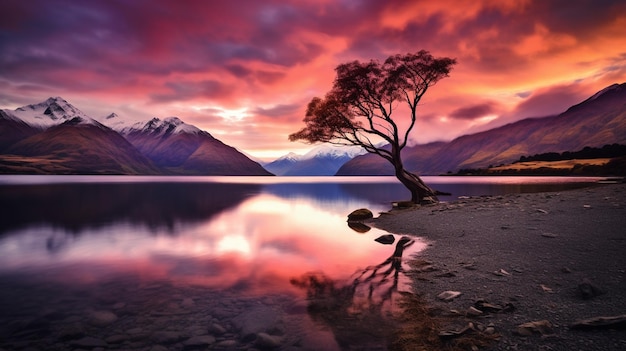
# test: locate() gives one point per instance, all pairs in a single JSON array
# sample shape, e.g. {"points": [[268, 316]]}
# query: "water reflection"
{"points": [[367, 298], [157, 207], [145, 249]]}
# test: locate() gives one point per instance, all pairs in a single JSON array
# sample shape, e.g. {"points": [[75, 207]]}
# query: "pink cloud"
{"points": [[269, 58]]}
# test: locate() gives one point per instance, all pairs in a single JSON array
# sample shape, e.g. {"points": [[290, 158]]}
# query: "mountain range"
{"points": [[54, 137], [597, 121], [323, 160]]}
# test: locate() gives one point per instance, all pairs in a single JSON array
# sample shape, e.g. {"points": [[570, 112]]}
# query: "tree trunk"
{"points": [[420, 192]]}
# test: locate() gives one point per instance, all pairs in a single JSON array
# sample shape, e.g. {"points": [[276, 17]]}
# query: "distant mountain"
{"points": [[79, 146], [54, 137], [323, 160], [597, 121], [283, 164], [181, 148]]}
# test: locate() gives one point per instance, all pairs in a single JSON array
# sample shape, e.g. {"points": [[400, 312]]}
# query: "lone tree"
{"points": [[358, 109]]}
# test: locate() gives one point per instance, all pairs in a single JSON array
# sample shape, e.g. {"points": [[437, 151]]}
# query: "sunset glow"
{"points": [[245, 70]]}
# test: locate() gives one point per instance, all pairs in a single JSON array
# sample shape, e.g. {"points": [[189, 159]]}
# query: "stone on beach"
{"points": [[360, 215], [267, 341], [448, 295], [543, 327], [198, 341], [102, 318], [387, 239]]}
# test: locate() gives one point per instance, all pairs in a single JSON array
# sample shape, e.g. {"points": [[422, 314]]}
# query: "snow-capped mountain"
{"points": [[51, 112], [154, 126], [323, 160], [54, 137]]}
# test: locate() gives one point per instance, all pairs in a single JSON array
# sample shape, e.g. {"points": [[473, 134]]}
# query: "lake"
{"points": [[178, 263]]}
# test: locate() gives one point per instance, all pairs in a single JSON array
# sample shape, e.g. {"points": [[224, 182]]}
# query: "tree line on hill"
{"points": [[615, 167], [607, 151]]}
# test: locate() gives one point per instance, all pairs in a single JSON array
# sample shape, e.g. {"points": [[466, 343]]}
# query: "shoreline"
{"points": [[531, 251]]}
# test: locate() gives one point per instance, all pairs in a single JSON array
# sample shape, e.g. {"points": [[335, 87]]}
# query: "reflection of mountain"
{"points": [[75, 207], [376, 193]]}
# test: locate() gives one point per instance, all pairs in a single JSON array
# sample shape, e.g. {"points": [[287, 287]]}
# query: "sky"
{"points": [[244, 70]]}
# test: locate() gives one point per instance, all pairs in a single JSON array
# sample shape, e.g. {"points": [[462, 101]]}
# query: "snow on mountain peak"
{"points": [[290, 157], [169, 125], [334, 151], [53, 111]]}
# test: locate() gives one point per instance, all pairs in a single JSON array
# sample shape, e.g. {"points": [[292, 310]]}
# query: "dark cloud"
{"points": [[474, 111], [278, 110], [550, 101]]}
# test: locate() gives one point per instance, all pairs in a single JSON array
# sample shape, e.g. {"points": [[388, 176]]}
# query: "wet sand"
{"points": [[530, 251]]}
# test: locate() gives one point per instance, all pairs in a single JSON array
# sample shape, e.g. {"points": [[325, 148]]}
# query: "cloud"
{"points": [[550, 101], [278, 110], [516, 59], [474, 111], [183, 91]]}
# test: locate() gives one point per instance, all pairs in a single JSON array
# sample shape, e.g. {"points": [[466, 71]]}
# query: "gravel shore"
{"points": [[555, 257]]}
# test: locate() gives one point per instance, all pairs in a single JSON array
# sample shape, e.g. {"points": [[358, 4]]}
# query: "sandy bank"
{"points": [[531, 251]]}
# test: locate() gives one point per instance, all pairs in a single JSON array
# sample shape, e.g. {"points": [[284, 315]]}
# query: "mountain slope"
{"points": [[76, 147], [184, 149], [54, 137], [283, 164], [597, 121], [13, 130]]}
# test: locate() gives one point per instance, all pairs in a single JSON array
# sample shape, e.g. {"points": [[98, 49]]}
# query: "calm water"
{"points": [[185, 262]]}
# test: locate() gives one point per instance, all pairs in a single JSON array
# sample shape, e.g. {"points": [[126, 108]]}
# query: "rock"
{"points": [[258, 320], [449, 295], [611, 322], [566, 270], [166, 337], [116, 339], [490, 330], [199, 341], [386, 239], [501, 273], [360, 215], [226, 344], [549, 235], [187, 303], [216, 329], [359, 227], [473, 312], [543, 327], [403, 204], [546, 289], [266, 341], [88, 342], [72, 331], [451, 334], [589, 290], [102, 318]]}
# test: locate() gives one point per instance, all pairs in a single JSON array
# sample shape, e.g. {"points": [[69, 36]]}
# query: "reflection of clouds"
{"points": [[233, 243], [256, 246]]}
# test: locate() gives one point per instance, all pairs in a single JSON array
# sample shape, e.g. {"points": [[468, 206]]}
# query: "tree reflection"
{"points": [[357, 310]]}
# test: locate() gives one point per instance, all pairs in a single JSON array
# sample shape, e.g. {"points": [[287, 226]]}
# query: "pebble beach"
{"points": [[543, 262]]}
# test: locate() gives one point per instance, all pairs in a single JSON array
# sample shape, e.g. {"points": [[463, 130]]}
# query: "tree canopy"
{"points": [[358, 110]]}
